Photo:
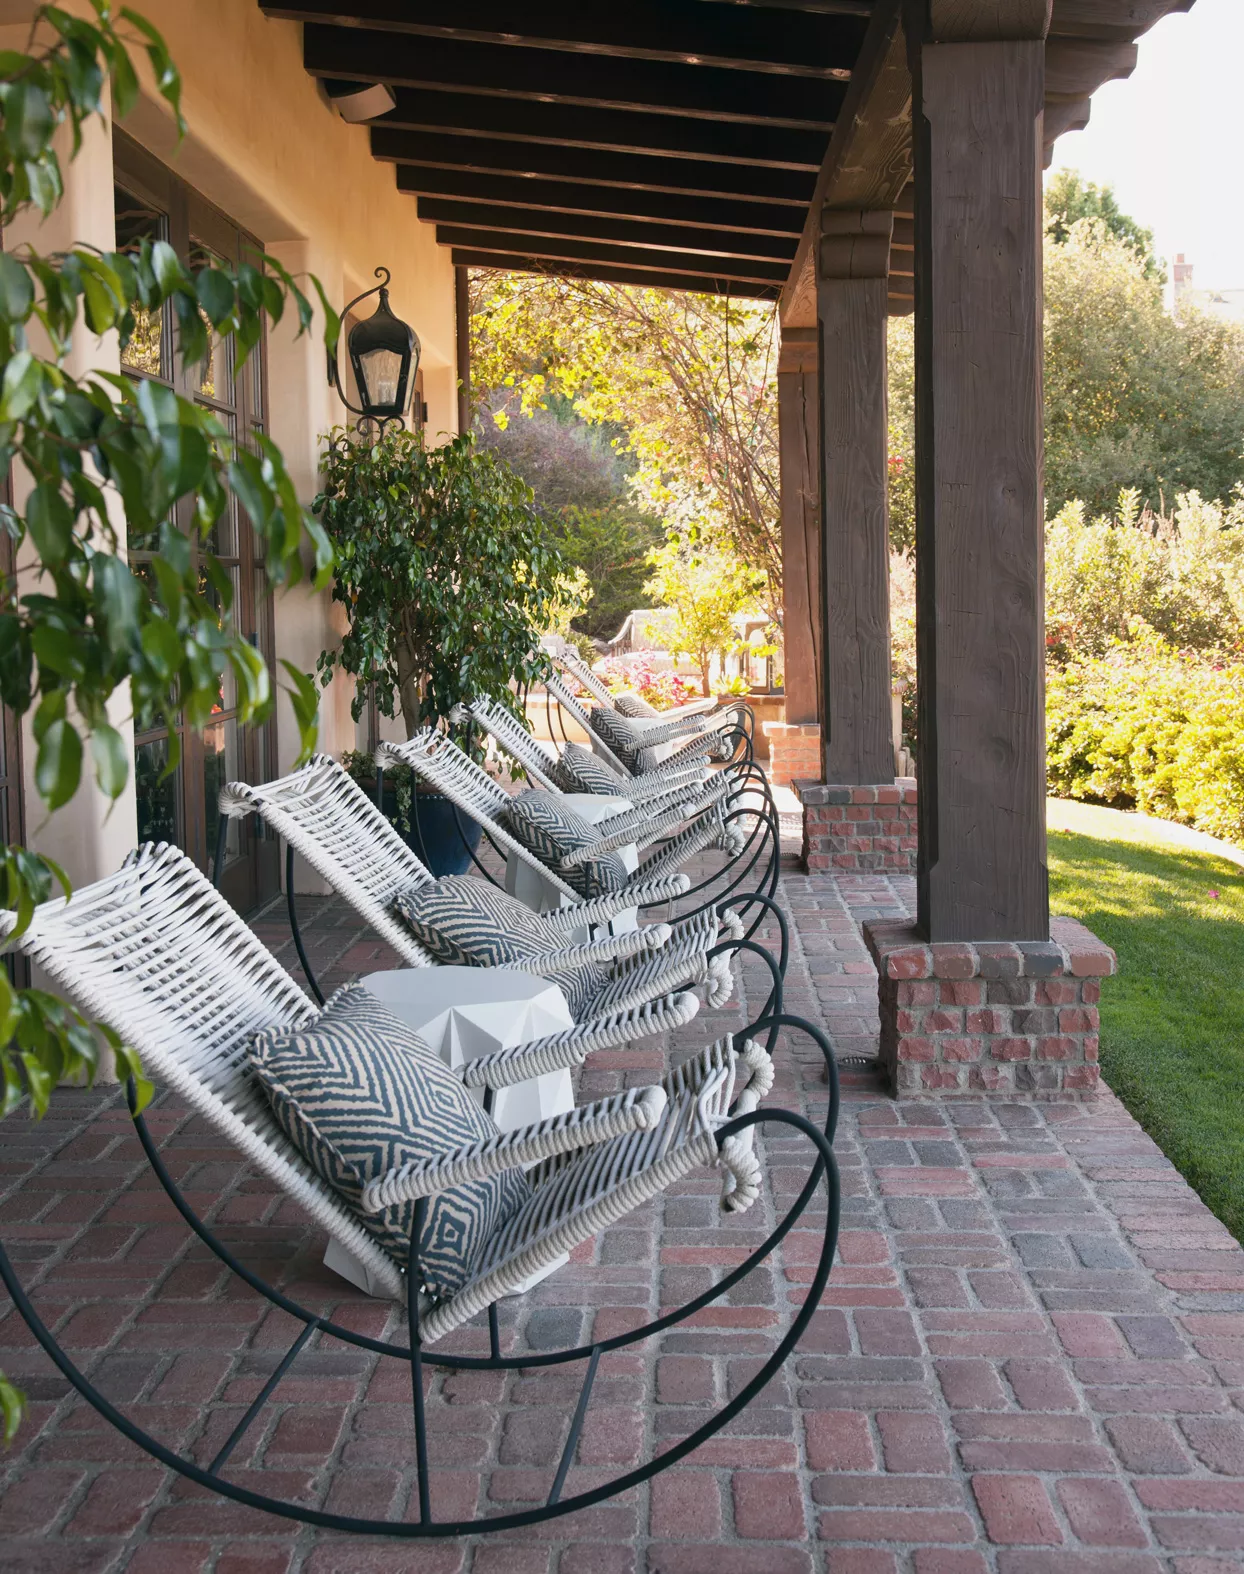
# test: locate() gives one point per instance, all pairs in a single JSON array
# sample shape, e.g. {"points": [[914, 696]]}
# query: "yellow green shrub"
{"points": [[1150, 727]]}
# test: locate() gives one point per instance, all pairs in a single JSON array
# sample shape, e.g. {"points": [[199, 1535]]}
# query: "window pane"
{"points": [[221, 764], [157, 799], [147, 350]]}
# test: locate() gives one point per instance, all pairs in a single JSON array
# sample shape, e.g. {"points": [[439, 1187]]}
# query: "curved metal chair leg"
{"points": [[773, 1006], [766, 904], [785, 1019], [292, 905]]}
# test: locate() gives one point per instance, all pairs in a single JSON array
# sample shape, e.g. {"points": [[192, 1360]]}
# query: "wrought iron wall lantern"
{"points": [[384, 352]]}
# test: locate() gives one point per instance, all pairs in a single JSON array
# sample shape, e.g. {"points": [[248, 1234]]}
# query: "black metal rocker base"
{"points": [[415, 1356]]}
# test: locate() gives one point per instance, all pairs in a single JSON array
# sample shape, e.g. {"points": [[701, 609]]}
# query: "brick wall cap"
{"points": [[1087, 956], [1072, 949], [811, 794]]}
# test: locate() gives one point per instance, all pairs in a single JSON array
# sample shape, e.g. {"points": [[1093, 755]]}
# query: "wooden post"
{"points": [[462, 326], [798, 439], [977, 145], [852, 313]]}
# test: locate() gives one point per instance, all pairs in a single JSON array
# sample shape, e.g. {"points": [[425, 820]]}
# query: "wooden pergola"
{"points": [[850, 159]]}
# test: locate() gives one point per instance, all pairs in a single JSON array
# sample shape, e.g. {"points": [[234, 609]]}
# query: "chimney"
{"points": [[1182, 270]]}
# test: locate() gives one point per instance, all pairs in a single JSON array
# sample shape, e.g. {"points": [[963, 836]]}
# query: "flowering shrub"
{"points": [[1151, 727], [662, 690]]}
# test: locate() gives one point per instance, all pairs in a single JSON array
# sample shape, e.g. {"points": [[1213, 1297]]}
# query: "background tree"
{"points": [[691, 379], [1070, 198], [706, 587], [94, 456], [580, 476], [1134, 397]]}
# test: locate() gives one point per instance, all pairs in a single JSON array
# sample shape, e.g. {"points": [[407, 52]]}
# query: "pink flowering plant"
{"points": [[662, 690]]}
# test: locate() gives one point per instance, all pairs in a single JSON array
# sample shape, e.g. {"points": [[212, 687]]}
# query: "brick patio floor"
{"points": [[1030, 1358]]}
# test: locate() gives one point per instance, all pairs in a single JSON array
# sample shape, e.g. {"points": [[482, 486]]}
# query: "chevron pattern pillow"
{"points": [[358, 1094], [617, 733], [466, 922], [634, 705], [549, 830], [578, 770]]}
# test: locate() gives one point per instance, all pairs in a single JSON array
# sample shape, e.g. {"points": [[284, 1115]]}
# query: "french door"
{"points": [[152, 202]]}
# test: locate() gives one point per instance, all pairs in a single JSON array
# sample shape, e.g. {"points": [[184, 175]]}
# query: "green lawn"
{"points": [[1172, 1039]]}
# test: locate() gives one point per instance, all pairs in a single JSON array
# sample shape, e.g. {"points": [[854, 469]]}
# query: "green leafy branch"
{"points": [[103, 460]]}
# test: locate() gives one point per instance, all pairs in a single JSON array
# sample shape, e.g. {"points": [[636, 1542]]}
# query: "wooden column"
{"points": [[977, 123], [799, 440], [856, 727], [462, 327]]}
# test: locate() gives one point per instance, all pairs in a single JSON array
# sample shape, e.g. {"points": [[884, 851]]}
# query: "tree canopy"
{"points": [[1070, 198], [1134, 397], [691, 380]]}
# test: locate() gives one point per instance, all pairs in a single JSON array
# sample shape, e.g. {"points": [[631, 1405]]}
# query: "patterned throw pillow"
{"points": [[540, 822], [358, 1094], [618, 734], [579, 770], [634, 705], [462, 921]]}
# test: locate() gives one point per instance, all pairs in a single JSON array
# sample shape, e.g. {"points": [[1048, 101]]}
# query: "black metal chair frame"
{"points": [[416, 1357]]}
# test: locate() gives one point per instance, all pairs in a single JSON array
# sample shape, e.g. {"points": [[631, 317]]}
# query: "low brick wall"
{"points": [[1017, 1018], [794, 751], [870, 829]]}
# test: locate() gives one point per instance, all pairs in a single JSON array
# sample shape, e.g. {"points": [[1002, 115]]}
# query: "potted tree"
{"points": [[449, 577]]}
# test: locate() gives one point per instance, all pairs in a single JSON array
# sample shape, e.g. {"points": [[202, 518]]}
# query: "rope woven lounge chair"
{"points": [[694, 754], [651, 818], [156, 953], [540, 760], [437, 760], [327, 818], [705, 715]]}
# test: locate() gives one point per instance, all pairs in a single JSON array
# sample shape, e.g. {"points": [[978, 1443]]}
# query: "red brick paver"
{"points": [[1029, 1359]]}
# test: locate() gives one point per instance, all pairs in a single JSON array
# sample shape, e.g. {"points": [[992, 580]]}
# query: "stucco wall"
{"points": [[265, 147]]}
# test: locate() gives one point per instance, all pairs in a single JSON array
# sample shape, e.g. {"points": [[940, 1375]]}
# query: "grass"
{"points": [[1172, 1034]]}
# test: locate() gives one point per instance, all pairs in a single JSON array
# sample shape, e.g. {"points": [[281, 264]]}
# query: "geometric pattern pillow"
{"points": [[620, 737], [462, 921], [634, 705], [579, 770], [358, 1093], [548, 829]]}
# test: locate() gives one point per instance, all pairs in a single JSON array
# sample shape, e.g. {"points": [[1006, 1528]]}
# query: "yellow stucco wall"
{"points": [[265, 147]]}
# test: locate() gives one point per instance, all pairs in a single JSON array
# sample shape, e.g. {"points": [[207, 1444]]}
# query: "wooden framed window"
{"points": [[151, 201]]}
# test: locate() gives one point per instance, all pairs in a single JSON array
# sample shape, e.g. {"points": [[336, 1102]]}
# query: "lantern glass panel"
{"points": [[382, 373]]}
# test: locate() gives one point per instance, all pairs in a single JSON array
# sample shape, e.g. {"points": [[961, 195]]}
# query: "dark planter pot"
{"points": [[434, 836]]}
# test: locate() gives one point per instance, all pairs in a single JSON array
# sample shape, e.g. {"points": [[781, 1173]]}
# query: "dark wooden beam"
{"points": [[610, 273], [868, 160], [347, 54], [624, 226], [695, 264], [684, 31], [429, 164], [605, 130]]}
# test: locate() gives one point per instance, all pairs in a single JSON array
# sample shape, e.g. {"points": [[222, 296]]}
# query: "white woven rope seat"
{"points": [[156, 953], [654, 802], [329, 820], [700, 715], [341, 833], [437, 760], [694, 755]]}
